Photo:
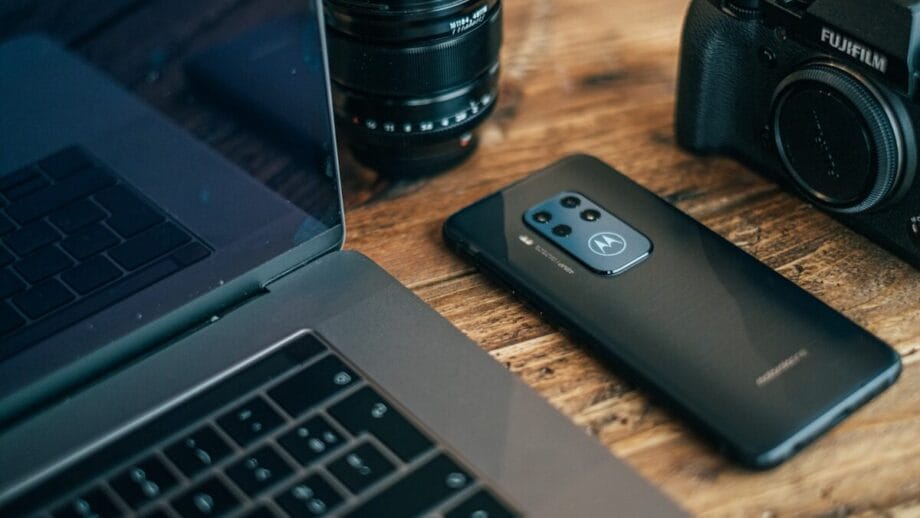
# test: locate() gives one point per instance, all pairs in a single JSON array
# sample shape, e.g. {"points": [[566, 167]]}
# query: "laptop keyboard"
{"points": [[75, 239], [298, 433]]}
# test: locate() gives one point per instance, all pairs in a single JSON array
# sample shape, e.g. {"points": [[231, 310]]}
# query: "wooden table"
{"points": [[595, 76]]}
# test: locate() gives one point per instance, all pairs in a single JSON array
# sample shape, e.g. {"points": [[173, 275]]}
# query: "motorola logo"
{"points": [[607, 244]]}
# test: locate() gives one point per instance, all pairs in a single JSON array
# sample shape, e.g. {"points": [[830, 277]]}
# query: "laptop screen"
{"points": [[273, 79], [119, 229]]}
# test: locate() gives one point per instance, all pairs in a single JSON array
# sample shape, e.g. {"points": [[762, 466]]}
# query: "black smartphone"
{"points": [[758, 364]]}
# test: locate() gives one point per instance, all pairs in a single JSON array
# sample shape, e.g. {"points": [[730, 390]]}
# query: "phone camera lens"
{"points": [[542, 217], [562, 230], [590, 215], [570, 202]]}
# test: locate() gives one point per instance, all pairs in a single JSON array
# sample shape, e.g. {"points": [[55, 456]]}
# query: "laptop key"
{"points": [[312, 385], [90, 275], [367, 411], [148, 245], [43, 299], [10, 283], [421, 490], [18, 176], [43, 263], [312, 496], [210, 498], [31, 237], [159, 512], [250, 421], [261, 512], [198, 451], [90, 241], [259, 471], [70, 189], [143, 482], [129, 213], [480, 505], [66, 162], [92, 503], [88, 306], [360, 467], [77, 215], [26, 188], [311, 439], [9, 319]]}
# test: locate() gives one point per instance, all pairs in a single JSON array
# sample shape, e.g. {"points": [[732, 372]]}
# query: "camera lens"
{"points": [[542, 217], [570, 202], [562, 230], [838, 138], [413, 80], [590, 215]]}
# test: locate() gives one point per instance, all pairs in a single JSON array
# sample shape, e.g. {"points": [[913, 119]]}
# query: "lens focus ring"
{"points": [[415, 69]]}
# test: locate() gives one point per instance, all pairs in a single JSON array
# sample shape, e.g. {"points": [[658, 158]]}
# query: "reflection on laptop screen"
{"points": [[119, 229]]}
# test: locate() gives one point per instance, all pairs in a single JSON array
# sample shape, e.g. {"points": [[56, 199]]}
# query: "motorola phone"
{"points": [[755, 362]]}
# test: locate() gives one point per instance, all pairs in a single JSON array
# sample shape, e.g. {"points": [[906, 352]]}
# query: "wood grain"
{"points": [[599, 77], [595, 76]]}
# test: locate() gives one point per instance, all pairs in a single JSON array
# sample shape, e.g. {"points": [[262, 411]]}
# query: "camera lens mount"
{"points": [[838, 138]]}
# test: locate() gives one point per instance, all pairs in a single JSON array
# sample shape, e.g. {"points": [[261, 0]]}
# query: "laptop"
{"points": [[179, 338]]}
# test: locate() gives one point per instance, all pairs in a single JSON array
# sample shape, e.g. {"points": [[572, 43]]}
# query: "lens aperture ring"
{"points": [[399, 138], [417, 69], [421, 118]]}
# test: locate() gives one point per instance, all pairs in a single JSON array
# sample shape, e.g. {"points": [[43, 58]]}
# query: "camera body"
{"points": [[822, 96]]}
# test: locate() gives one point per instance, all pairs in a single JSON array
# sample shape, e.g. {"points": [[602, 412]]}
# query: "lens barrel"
{"points": [[413, 80]]}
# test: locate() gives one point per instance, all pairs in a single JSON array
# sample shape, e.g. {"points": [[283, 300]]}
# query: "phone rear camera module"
{"points": [[589, 232], [562, 230], [542, 217], [590, 215], [570, 202]]}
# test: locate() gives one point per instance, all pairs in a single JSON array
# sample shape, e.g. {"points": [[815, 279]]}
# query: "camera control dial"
{"points": [[838, 138]]}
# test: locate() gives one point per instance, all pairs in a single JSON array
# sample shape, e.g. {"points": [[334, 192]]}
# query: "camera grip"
{"points": [[717, 60]]}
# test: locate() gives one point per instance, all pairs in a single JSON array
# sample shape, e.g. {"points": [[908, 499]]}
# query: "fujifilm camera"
{"points": [[823, 96]]}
